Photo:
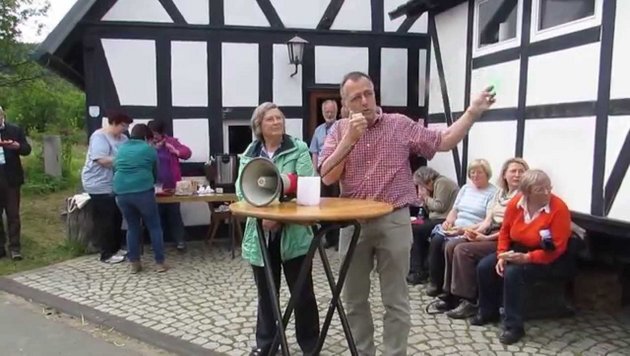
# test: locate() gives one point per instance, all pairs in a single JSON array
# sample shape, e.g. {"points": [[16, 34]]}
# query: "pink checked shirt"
{"points": [[378, 166]]}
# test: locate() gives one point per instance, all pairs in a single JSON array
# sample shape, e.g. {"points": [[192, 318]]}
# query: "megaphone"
{"points": [[261, 183]]}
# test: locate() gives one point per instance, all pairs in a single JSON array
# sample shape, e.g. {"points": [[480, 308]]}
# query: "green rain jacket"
{"points": [[292, 157]]}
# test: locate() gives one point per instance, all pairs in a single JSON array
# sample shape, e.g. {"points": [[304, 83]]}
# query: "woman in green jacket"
{"points": [[287, 243]]}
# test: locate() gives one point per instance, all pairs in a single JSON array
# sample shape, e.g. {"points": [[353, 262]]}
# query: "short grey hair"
{"points": [[330, 101], [424, 175], [354, 76], [532, 178], [482, 164], [258, 115]]}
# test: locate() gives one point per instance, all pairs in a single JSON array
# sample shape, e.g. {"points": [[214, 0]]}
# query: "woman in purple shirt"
{"points": [[170, 151]]}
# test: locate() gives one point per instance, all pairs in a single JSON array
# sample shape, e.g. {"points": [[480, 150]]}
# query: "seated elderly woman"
{"points": [[287, 244], [438, 194], [534, 234], [468, 212], [462, 255]]}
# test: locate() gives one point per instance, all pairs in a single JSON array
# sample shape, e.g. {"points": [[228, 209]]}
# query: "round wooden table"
{"points": [[335, 211]]}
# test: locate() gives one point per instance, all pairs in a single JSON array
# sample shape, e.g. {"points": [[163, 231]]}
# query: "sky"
{"points": [[58, 8]]}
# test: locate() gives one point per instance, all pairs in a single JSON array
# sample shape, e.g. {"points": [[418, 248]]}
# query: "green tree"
{"points": [[15, 66]]}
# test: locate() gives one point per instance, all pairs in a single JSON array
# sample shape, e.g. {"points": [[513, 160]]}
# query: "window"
{"points": [[552, 13], [497, 21]]}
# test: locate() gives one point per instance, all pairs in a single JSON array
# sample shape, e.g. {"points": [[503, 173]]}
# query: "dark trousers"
{"points": [[331, 191], [107, 224], [172, 223], [509, 290], [139, 208], [9, 203], [436, 260], [306, 313], [420, 246]]}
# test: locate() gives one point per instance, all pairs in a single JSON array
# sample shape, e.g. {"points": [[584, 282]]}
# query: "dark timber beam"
{"points": [[445, 99], [173, 11], [330, 15], [270, 13], [599, 205]]}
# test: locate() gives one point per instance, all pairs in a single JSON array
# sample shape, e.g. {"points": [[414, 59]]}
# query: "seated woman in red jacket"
{"points": [[535, 232]]}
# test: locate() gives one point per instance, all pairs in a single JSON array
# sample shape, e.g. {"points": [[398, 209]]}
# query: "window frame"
{"points": [[499, 46], [565, 28], [226, 132]]}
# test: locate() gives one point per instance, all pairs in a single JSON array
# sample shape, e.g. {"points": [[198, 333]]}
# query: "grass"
{"points": [[43, 200]]}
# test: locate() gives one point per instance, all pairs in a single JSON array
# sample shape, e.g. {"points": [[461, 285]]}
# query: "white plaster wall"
{"points": [[421, 24], [569, 75], [354, 15], [504, 76], [195, 214], [293, 127], [133, 67], [244, 13], [194, 134], [564, 149], [189, 73], [436, 104], [496, 150], [451, 29], [195, 12], [137, 11], [332, 63], [240, 74], [619, 87], [394, 76], [287, 90], [300, 14], [389, 5], [443, 161], [618, 129]]}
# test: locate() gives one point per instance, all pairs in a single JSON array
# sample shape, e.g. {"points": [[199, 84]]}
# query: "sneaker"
{"points": [[181, 246], [16, 256], [161, 268], [122, 252], [114, 259]]}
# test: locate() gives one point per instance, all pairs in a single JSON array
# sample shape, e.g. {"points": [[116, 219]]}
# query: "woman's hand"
{"points": [[500, 267], [518, 258], [270, 225], [482, 228], [447, 225]]}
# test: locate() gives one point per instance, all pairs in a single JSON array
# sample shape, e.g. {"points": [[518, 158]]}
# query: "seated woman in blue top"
{"points": [[135, 170]]}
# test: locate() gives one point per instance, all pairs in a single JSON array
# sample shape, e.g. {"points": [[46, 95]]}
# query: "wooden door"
{"points": [[316, 98]]}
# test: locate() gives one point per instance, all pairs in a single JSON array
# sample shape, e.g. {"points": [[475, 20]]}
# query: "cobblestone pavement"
{"points": [[209, 299]]}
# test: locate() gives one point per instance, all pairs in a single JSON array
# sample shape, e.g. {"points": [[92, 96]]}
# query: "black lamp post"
{"points": [[296, 51]]}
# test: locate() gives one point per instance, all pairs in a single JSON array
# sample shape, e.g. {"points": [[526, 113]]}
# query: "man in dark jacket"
{"points": [[13, 144]]}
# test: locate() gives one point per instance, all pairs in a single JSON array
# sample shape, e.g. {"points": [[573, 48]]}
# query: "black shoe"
{"points": [[479, 320], [445, 305], [464, 310], [258, 352], [415, 278], [509, 337], [16, 256], [433, 291]]}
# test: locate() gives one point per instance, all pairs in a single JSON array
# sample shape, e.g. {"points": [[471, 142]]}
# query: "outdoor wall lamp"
{"points": [[296, 51]]}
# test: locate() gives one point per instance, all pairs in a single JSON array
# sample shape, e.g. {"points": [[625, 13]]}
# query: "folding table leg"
{"points": [[271, 286], [336, 291]]}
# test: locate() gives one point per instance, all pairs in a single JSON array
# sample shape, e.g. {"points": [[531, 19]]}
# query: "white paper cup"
{"points": [[308, 191]]}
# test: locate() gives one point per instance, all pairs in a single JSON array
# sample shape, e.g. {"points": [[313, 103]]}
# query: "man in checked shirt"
{"points": [[368, 153]]}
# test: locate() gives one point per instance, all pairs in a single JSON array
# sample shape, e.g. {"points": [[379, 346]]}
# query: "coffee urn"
{"points": [[221, 172]]}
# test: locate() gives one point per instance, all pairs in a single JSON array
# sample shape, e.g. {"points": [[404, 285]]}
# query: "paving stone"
{"points": [[210, 299]]}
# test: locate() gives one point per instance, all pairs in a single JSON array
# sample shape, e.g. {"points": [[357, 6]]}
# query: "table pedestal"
{"points": [[335, 288]]}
